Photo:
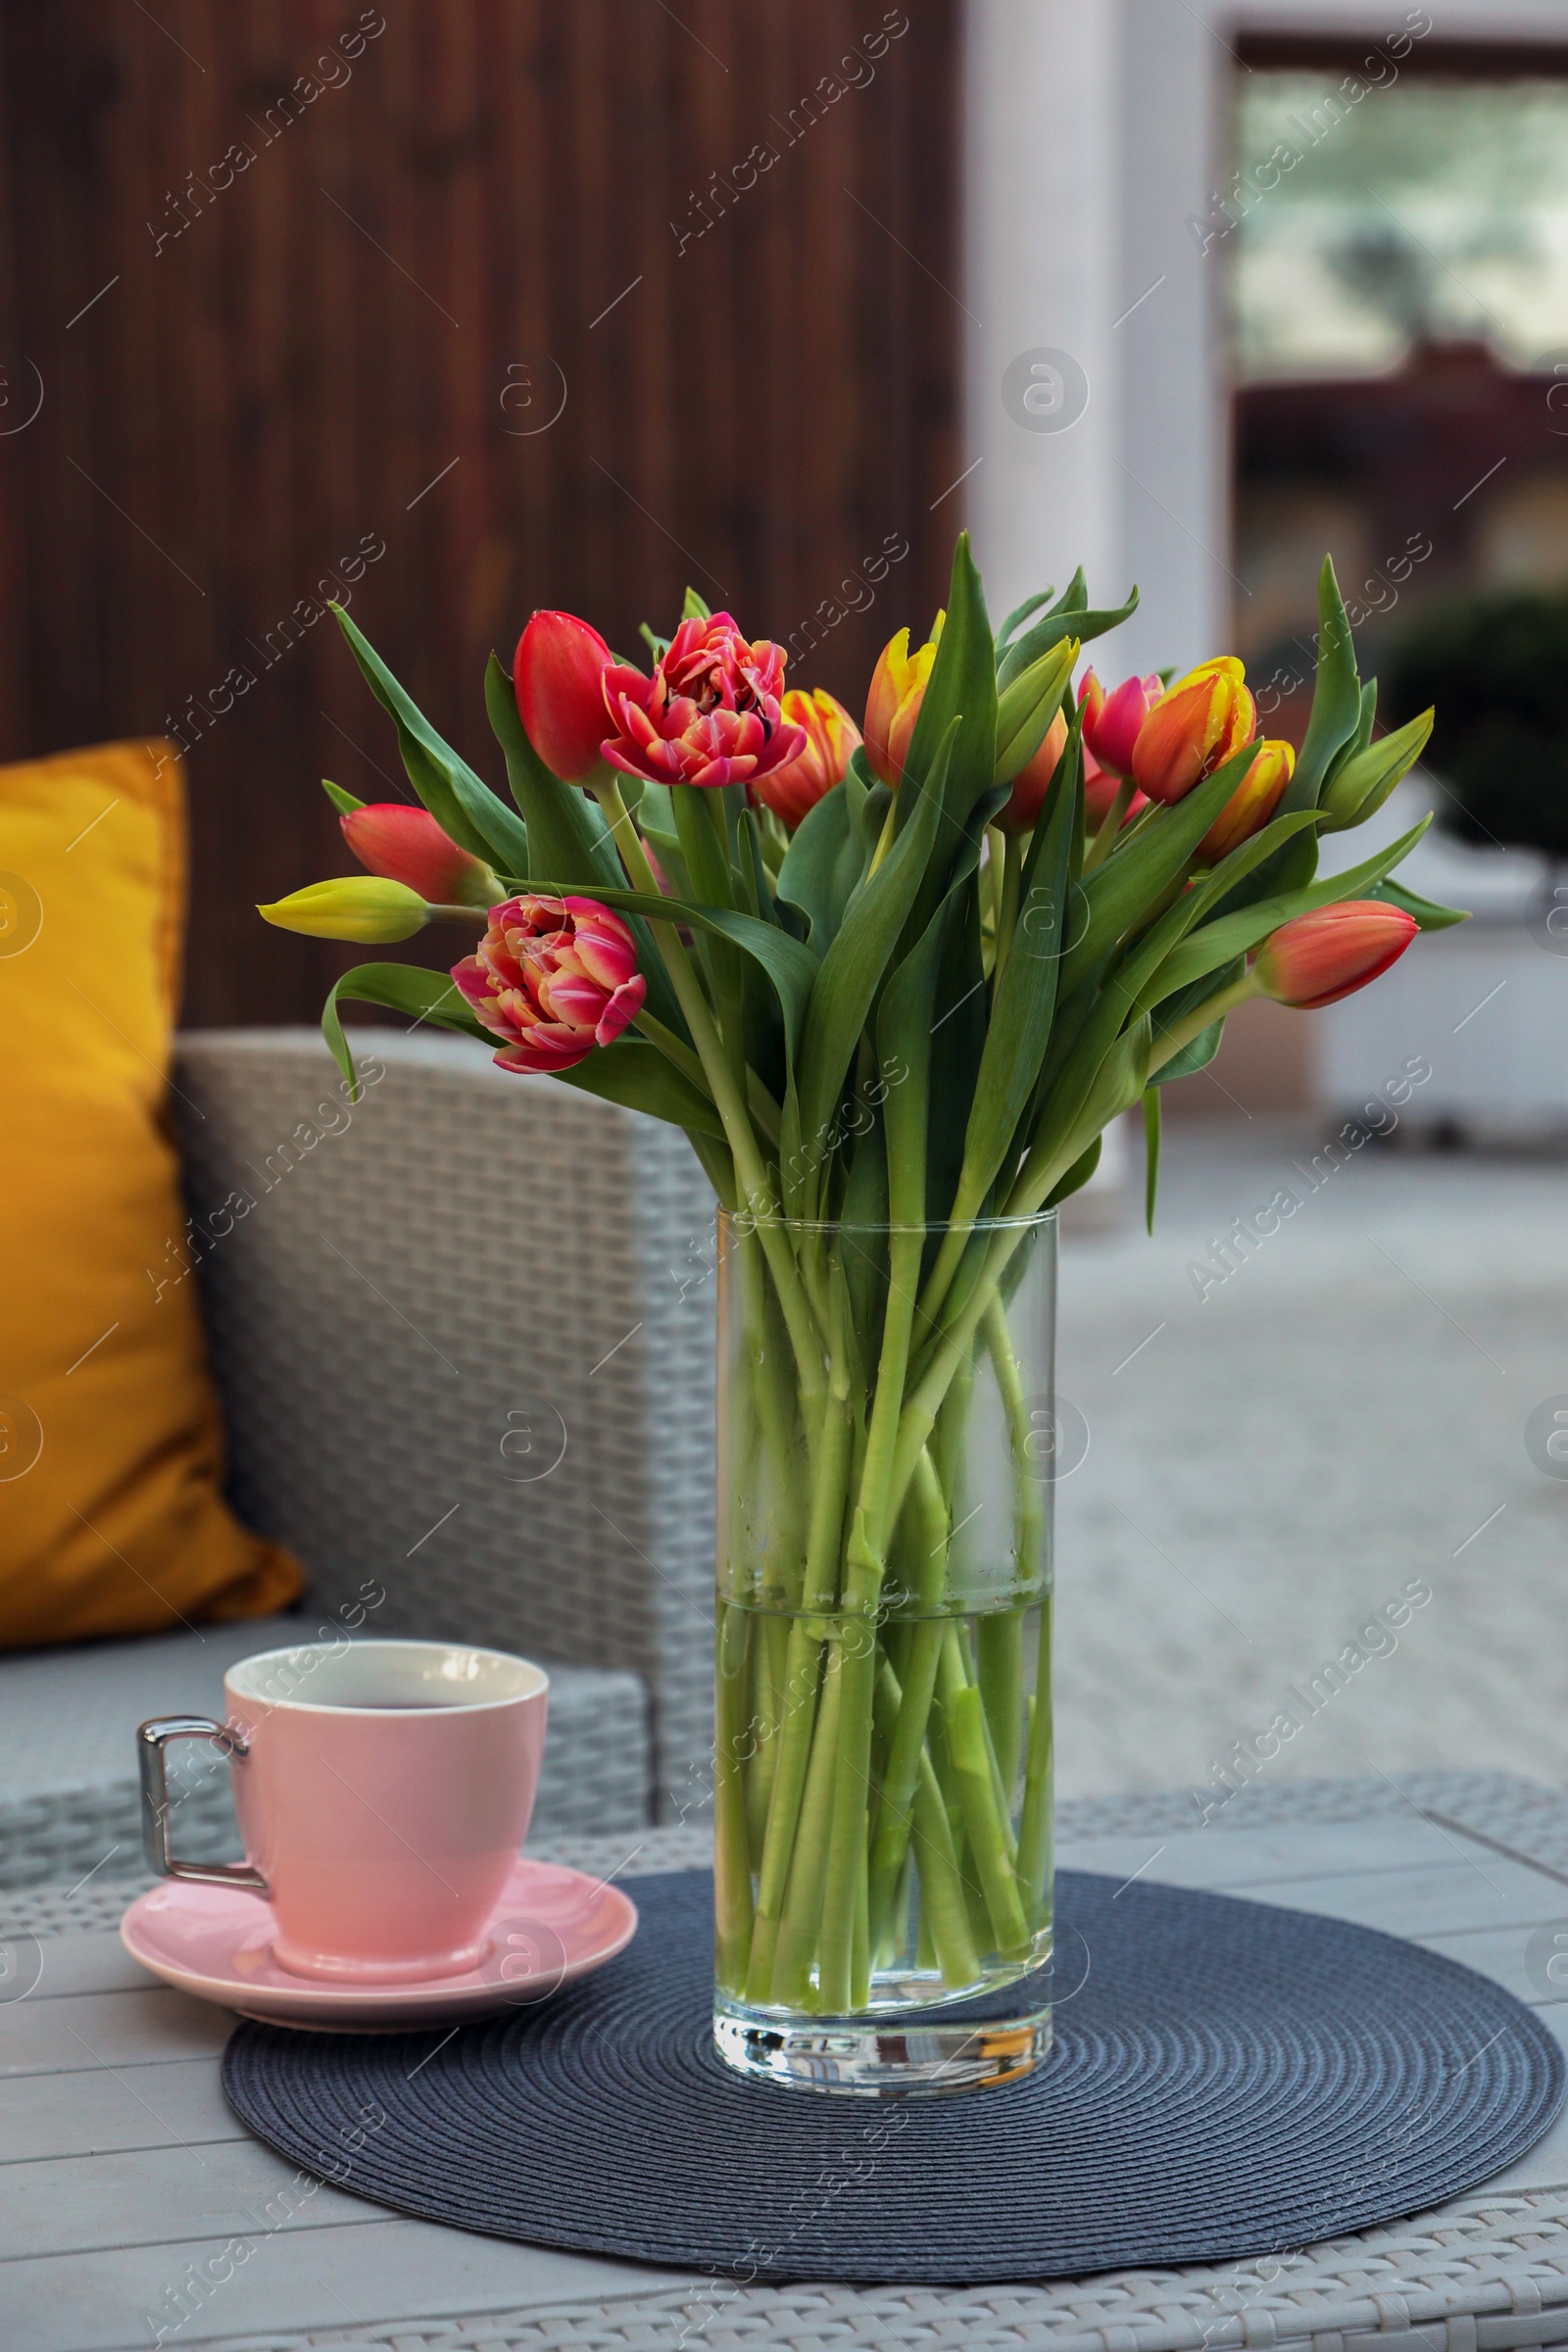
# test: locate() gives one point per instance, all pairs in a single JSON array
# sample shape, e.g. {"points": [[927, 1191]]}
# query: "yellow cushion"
{"points": [[112, 1511]]}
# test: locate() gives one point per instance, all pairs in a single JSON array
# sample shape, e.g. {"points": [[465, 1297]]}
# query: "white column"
{"points": [[1042, 274], [1172, 476], [1091, 130]]}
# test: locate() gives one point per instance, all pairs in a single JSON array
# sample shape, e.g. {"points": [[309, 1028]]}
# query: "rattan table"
{"points": [[127, 2183]]}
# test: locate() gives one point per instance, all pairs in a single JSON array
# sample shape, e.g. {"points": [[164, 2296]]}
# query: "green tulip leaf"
{"points": [[853, 969], [343, 802], [962, 687], [821, 867], [1078, 1174], [1152, 1137], [566, 834], [1019, 615], [404, 988], [461, 803], [1336, 697], [636, 1075], [1428, 912], [1195, 1055], [788, 962], [1358, 789], [1023, 1003], [1232, 935], [1063, 621]]}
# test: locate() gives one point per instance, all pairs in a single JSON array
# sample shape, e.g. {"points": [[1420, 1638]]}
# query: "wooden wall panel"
{"points": [[252, 370]]}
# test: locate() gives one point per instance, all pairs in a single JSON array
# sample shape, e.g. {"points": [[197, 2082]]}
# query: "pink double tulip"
{"points": [[1318, 957], [831, 738], [1111, 721], [1194, 728], [708, 716], [558, 671], [404, 844], [551, 978]]}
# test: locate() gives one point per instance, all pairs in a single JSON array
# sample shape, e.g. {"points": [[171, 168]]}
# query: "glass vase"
{"points": [[883, 1733]]}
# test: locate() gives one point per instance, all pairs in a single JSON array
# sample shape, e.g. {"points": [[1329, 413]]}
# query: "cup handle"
{"points": [[151, 1740]]}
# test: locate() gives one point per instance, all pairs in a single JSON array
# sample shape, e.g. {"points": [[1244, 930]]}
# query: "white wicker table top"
{"points": [[135, 2203]]}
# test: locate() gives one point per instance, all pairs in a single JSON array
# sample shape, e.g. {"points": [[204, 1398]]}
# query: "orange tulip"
{"points": [[1195, 727], [831, 737], [1251, 803], [898, 689], [1318, 957], [1030, 785]]}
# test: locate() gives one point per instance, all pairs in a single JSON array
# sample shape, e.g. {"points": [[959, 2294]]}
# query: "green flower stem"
{"points": [[732, 1876], [804, 1716], [860, 1964], [999, 1672], [1104, 840], [1034, 1823], [1000, 1639], [802, 1903], [769, 1667], [963, 1721], [943, 1914], [864, 1563], [904, 1736], [1201, 1017]]}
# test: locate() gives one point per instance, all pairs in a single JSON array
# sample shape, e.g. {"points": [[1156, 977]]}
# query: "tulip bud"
{"points": [[1251, 803], [1318, 957], [1026, 708], [831, 737], [558, 671], [898, 689], [368, 909], [1358, 788], [1021, 813], [1195, 727], [1111, 721], [406, 845]]}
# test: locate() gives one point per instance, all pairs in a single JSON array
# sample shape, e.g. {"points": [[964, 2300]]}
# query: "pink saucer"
{"points": [[550, 1927]]}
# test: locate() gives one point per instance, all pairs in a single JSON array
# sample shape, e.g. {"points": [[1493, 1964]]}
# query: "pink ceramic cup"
{"points": [[383, 1790]]}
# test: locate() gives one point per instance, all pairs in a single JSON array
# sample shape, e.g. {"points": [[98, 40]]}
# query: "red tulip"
{"points": [[1251, 803], [1318, 957], [404, 844], [710, 714], [1195, 727], [1111, 721], [558, 671], [831, 736], [553, 978]]}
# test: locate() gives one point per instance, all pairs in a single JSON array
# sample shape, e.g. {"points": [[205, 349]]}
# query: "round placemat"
{"points": [[1229, 2080]]}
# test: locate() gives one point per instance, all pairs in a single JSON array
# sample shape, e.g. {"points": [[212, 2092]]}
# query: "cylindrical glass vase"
{"points": [[883, 1735]]}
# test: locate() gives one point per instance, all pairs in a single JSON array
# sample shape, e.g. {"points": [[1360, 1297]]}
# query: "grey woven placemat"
{"points": [[1229, 2079]]}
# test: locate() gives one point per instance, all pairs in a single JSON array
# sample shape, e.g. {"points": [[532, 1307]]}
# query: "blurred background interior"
{"points": [[515, 303]]}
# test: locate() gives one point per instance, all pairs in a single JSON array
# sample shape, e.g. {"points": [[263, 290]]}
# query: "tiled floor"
{"points": [[1275, 1454]]}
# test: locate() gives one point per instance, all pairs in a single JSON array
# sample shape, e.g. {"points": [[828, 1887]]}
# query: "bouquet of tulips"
{"points": [[894, 983]]}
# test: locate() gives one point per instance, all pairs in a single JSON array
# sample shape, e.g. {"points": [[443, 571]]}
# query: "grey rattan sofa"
{"points": [[463, 1335]]}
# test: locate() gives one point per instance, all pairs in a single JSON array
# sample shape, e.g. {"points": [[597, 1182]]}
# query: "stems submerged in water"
{"points": [[883, 1776]]}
